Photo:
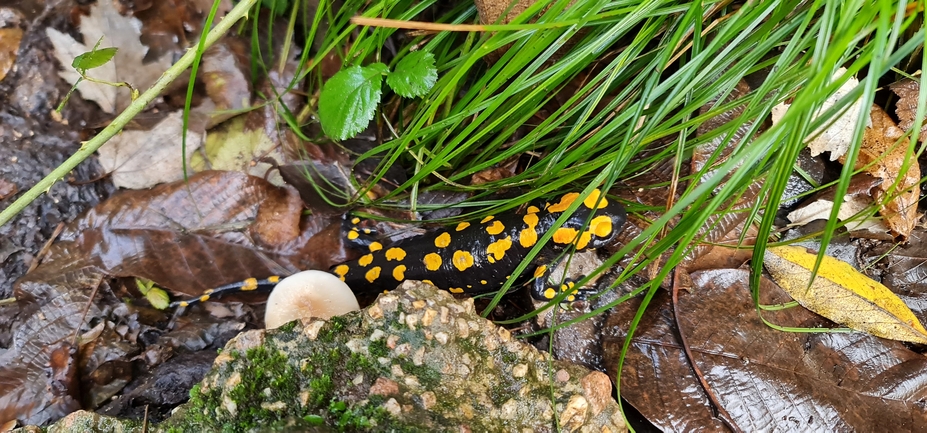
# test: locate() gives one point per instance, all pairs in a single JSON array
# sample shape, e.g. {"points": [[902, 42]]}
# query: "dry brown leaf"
{"points": [[9, 46], [142, 159], [883, 153], [836, 137], [842, 294], [117, 31], [906, 107]]}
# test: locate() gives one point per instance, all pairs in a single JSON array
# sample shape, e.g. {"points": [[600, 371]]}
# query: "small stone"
{"points": [[418, 358], [574, 415], [462, 329], [375, 312], [597, 388], [509, 409], [411, 321], [442, 337], [391, 341], [562, 375], [428, 317], [418, 304], [396, 369], [384, 387], [311, 330], [520, 370], [428, 400], [277, 406], [359, 379], [377, 335], [412, 381], [445, 316], [356, 345], [392, 406]]}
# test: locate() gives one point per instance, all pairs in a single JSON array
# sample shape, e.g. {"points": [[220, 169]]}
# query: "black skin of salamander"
{"points": [[475, 239]]}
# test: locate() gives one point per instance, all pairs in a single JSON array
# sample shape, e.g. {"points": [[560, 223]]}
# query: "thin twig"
{"points": [[88, 148], [417, 25]]}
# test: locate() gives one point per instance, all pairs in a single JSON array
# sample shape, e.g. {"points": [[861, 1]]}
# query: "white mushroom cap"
{"points": [[308, 294]]}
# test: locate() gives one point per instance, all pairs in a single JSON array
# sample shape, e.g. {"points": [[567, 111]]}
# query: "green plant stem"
{"points": [[139, 104]]}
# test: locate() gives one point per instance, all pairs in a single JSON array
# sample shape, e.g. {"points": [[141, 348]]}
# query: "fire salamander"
{"points": [[476, 257]]}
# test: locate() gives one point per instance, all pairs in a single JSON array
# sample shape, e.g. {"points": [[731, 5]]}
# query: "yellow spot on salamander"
{"points": [[353, 234], [565, 235], [564, 203], [455, 290], [531, 220], [496, 250], [484, 282], [395, 254], [203, 298], [462, 260], [443, 240], [528, 237], [428, 282], [399, 272], [549, 293], [432, 261], [341, 270], [355, 220], [495, 228], [372, 274], [366, 231], [487, 219], [540, 271], [593, 198], [249, 284], [601, 226], [274, 279], [462, 226], [583, 240], [209, 292], [365, 260], [533, 209], [375, 246]]}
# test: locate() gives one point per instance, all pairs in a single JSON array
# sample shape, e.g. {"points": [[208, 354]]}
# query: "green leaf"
{"points": [[94, 59], [349, 100], [415, 74], [158, 298]]}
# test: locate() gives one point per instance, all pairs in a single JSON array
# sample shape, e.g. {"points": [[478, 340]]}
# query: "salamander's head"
{"points": [[605, 219]]}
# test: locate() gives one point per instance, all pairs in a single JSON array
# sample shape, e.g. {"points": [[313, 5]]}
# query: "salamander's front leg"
{"points": [[542, 290]]}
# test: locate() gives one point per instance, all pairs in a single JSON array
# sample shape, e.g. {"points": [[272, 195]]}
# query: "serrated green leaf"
{"points": [[415, 74], [94, 59], [349, 100], [158, 298]]}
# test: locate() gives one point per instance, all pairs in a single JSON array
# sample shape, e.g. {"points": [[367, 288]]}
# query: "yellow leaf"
{"points": [[843, 294]]}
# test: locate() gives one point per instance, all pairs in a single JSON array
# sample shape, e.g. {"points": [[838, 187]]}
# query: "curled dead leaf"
{"points": [[884, 155], [842, 294]]}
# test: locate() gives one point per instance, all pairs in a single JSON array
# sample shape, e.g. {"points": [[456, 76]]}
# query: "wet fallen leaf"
{"points": [[9, 46], [142, 159], [117, 31], [883, 154], [217, 228], [836, 137], [906, 107], [767, 379], [904, 266], [241, 144], [857, 199], [844, 295]]}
